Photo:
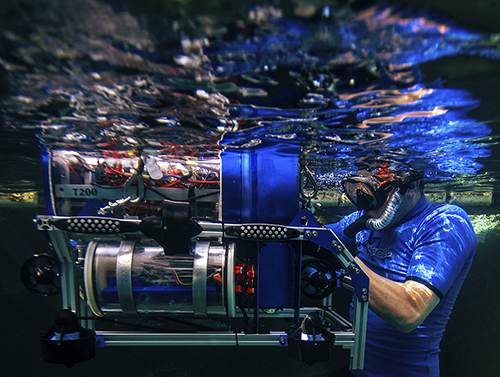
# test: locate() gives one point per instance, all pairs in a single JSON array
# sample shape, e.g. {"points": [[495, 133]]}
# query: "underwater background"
{"points": [[425, 92]]}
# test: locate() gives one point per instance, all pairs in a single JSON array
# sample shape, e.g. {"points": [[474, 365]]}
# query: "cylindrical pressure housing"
{"points": [[133, 276]]}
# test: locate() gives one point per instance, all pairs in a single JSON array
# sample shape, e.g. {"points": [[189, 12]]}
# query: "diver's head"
{"points": [[371, 190], [385, 196]]}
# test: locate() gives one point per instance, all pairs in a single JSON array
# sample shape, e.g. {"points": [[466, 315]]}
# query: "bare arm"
{"points": [[403, 305]]}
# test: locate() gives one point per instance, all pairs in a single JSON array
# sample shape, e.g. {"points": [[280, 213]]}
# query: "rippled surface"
{"points": [[345, 86]]}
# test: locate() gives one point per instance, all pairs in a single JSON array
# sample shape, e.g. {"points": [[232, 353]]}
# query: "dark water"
{"points": [[348, 87]]}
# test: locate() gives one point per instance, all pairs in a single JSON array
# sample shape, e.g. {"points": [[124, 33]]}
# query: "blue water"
{"points": [[354, 86]]}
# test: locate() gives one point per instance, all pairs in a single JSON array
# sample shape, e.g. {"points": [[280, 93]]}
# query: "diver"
{"points": [[417, 255]]}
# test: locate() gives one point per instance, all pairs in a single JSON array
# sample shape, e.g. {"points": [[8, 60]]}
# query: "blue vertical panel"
{"points": [[261, 185], [275, 275], [47, 189]]}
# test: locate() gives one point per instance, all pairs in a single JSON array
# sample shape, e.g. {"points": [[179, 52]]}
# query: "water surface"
{"points": [[346, 85]]}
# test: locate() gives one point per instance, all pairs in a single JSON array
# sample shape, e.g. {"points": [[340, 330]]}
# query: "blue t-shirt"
{"points": [[433, 245]]}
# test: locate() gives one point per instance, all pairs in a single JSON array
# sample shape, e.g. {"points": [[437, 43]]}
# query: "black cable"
{"points": [[245, 318]]}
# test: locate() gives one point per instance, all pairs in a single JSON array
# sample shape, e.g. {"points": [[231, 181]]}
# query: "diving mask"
{"points": [[368, 191]]}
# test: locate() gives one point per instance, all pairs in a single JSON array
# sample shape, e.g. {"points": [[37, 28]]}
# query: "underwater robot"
{"points": [[156, 249]]}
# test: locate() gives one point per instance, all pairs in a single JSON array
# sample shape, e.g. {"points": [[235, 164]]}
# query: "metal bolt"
{"points": [[307, 233], [364, 291], [354, 268], [314, 234], [334, 243], [364, 298], [282, 340]]}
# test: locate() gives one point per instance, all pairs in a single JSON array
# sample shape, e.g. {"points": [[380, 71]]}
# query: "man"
{"points": [[417, 256]]}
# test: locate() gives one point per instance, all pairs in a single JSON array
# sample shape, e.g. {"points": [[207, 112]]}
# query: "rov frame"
{"points": [[303, 228]]}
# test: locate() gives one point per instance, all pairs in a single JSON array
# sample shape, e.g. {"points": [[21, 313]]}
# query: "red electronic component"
{"points": [[245, 279]]}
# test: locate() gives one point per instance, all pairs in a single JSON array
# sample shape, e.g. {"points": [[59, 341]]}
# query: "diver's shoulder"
{"points": [[448, 213], [453, 220], [448, 208]]}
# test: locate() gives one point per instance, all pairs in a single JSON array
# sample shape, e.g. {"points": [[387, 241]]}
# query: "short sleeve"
{"points": [[444, 245]]}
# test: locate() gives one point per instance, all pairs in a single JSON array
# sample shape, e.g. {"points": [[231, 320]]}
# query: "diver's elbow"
{"points": [[407, 325]]}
